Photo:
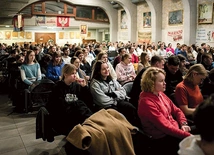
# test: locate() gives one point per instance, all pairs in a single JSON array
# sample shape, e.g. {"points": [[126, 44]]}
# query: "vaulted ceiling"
{"points": [[9, 8]]}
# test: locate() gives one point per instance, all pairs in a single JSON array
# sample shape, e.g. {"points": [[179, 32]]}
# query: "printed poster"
{"points": [[175, 35], [50, 21]]}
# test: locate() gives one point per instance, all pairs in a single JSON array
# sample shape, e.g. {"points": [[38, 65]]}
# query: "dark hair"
{"points": [[73, 59], [65, 48], [183, 45], [78, 52], [205, 56], [55, 55], [47, 58], [77, 48], [155, 59], [203, 118], [121, 49], [181, 57], [97, 51], [97, 71], [35, 48], [14, 51], [203, 44], [173, 60]]}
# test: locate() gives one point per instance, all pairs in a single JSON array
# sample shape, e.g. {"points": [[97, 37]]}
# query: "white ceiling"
{"points": [[11, 7]]}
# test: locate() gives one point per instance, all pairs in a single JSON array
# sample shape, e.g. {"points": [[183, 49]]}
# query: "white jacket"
{"points": [[189, 146]]}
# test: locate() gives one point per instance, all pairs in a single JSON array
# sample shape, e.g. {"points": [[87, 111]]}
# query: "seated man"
{"points": [[173, 74], [207, 61]]}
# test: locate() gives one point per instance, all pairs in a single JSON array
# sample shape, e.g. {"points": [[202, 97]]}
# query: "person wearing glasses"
{"points": [[187, 93]]}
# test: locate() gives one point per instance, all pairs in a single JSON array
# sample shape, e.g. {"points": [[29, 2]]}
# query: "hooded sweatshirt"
{"points": [[189, 146]]}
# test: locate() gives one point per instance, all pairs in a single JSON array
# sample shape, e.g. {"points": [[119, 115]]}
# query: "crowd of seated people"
{"points": [[86, 67]]}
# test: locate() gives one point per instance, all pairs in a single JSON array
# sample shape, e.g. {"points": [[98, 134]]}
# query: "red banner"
{"points": [[62, 21], [18, 23]]}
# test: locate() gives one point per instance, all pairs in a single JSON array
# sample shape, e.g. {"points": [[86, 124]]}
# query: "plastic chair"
{"points": [[38, 94]]}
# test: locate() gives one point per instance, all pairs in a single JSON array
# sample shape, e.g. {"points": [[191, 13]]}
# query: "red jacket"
{"points": [[159, 116]]}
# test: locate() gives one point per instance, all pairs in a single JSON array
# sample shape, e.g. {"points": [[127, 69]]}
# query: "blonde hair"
{"points": [[149, 77], [67, 69], [197, 68]]}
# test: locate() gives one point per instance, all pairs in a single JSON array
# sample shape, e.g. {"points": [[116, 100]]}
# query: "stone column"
{"points": [[190, 21], [131, 11], [156, 12]]}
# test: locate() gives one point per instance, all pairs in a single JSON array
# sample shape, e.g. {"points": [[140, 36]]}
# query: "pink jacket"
{"points": [[159, 116], [124, 71]]}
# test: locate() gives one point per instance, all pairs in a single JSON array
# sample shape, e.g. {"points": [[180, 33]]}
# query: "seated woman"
{"points": [[159, 117], [125, 69], [80, 73], [103, 56], [144, 62], [54, 67], [187, 93], [30, 69], [66, 103], [108, 93]]}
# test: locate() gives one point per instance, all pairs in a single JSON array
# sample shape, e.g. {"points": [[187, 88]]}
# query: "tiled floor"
{"points": [[17, 134]]}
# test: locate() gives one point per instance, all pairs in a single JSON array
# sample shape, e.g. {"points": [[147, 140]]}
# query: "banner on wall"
{"points": [[175, 35], [204, 35], [18, 23], [50, 21], [83, 29], [144, 37], [40, 20], [62, 21]]}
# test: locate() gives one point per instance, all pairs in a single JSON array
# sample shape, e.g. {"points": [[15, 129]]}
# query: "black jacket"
{"points": [[64, 116]]}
